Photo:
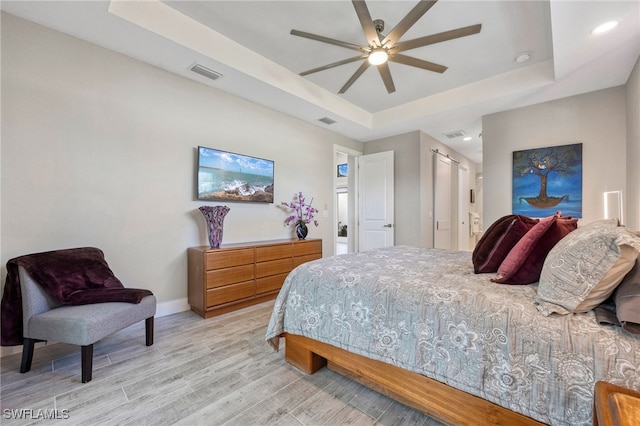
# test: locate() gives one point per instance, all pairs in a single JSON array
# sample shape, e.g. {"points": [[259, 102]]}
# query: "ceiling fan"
{"points": [[380, 48]]}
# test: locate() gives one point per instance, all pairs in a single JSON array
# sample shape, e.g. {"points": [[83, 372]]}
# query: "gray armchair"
{"points": [[46, 320]]}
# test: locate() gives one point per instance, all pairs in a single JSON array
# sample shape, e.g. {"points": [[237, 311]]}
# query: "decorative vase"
{"points": [[301, 230], [215, 219]]}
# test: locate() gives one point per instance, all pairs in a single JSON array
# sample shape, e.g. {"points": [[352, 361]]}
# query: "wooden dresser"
{"points": [[238, 275]]}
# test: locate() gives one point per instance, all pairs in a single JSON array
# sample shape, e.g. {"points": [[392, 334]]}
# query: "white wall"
{"points": [[596, 119], [632, 196], [99, 150]]}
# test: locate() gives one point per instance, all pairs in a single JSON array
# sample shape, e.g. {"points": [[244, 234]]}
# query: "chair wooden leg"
{"points": [[148, 328], [87, 362], [27, 354]]}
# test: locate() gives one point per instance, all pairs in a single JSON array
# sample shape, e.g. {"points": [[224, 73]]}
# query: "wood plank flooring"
{"points": [[218, 371]]}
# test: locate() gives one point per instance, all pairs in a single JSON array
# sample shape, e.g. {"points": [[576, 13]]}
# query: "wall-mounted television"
{"points": [[227, 176]]}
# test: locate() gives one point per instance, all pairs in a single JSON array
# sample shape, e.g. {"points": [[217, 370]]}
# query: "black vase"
{"points": [[301, 230]]}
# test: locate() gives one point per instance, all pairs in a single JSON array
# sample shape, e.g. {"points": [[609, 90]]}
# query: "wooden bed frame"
{"points": [[433, 398]]}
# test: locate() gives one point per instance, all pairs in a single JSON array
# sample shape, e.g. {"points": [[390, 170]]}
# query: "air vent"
{"points": [[326, 120], [456, 134], [205, 72]]}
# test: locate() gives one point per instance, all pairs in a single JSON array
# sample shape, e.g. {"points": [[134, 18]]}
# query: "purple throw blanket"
{"points": [[76, 276]]}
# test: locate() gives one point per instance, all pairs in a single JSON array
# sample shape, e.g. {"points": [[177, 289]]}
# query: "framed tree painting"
{"points": [[547, 180]]}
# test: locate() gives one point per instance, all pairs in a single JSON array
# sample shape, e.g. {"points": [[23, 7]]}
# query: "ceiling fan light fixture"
{"points": [[378, 56], [380, 48]]}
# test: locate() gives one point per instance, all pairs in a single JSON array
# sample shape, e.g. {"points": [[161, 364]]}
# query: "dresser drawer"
{"points": [[236, 274], [274, 282], [273, 252], [307, 247], [230, 293], [273, 267], [227, 258]]}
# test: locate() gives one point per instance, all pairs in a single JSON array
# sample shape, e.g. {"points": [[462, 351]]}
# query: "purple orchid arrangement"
{"points": [[303, 213]]}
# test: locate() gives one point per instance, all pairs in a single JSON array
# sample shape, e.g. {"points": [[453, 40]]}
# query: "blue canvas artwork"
{"points": [[547, 180]]}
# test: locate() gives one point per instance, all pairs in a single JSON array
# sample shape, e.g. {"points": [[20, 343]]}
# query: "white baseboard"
{"points": [[10, 350], [172, 307], [162, 310]]}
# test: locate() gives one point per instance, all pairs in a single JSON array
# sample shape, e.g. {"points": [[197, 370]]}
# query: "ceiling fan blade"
{"points": [[366, 22], [419, 63], [406, 23], [327, 40], [335, 64], [355, 76], [385, 73], [437, 38]]}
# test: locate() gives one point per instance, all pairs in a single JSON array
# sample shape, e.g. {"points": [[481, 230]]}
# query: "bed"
{"points": [[420, 326]]}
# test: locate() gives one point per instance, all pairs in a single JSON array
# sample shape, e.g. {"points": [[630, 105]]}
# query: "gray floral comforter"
{"points": [[426, 311]]}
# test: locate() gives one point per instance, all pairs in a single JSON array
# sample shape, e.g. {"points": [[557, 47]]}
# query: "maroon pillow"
{"points": [[498, 240], [524, 262]]}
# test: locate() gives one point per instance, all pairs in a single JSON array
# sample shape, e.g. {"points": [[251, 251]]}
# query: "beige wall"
{"points": [[99, 150], [632, 196], [597, 120]]}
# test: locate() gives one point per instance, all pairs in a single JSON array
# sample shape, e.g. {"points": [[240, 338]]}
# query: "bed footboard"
{"points": [[433, 398]]}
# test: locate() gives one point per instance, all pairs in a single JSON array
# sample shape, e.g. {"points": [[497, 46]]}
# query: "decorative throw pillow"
{"points": [[498, 240], [584, 268], [524, 262], [608, 284]]}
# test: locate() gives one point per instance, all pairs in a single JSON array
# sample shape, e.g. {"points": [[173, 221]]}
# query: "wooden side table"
{"points": [[615, 405]]}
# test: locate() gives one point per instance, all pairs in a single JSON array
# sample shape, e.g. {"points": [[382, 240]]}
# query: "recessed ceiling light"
{"points": [[603, 28], [468, 138], [523, 57]]}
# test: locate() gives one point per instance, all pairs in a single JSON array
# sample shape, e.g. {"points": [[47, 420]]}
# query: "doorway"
{"points": [[345, 200], [342, 201]]}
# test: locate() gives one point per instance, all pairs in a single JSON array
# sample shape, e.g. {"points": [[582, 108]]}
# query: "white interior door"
{"points": [[376, 198], [442, 202]]}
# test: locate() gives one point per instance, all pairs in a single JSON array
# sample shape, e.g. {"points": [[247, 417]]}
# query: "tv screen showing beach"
{"points": [[226, 176]]}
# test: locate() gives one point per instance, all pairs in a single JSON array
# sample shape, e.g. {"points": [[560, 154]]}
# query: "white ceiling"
{"points": [[250, 44]]}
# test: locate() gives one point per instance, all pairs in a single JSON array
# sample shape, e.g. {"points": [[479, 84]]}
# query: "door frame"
{"points": [[352, 188]]}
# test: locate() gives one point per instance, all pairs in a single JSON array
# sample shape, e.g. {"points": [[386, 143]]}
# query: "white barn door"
{"points": [[442, 187]]}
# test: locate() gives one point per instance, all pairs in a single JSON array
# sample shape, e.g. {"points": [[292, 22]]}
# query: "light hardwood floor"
{"points": [[218, 371]]}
